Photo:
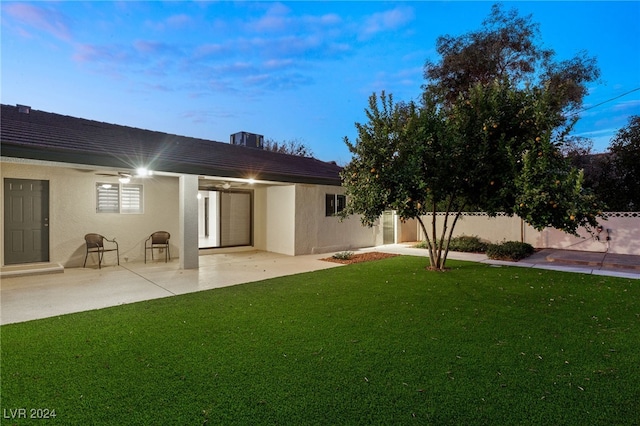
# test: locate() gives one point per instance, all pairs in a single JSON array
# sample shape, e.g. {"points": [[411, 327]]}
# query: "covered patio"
{"points": [[81, 289]]}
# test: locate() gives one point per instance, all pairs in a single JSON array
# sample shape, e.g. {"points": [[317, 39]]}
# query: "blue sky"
{"points": [[287, 70]]}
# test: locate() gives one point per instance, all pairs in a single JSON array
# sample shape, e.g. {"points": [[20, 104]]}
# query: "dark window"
{"points": [[330, 205], [334, 204], [341, 203]]}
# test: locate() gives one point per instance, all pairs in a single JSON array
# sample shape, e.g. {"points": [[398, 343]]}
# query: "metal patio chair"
{"points": [[158, 240], [95, 244]]}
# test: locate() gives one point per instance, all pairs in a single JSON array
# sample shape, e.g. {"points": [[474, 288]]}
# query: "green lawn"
{"points": [[383, 342]]}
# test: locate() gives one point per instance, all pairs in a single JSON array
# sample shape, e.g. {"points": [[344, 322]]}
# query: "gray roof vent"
{"points": [[24, 109]]}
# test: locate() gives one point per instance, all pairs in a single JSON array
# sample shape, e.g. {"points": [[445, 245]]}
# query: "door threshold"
{"points": [[27, 269]]}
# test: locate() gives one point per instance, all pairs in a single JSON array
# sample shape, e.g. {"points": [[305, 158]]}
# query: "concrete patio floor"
{"points": [[26, 298]]}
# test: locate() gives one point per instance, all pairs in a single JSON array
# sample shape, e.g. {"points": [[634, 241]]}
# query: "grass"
{"points": [[374, 343]]}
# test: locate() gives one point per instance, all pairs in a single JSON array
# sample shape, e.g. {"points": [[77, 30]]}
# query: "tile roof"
{"points": [[53, 137]]}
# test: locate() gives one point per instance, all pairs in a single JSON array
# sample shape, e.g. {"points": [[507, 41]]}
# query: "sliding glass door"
{"points": [[225, 218]]}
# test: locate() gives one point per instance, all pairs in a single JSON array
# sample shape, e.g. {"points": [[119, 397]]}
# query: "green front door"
{"points": [[26, 221]]}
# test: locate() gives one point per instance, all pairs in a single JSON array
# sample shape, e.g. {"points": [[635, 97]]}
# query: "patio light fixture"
{"points": [[143, 172]]}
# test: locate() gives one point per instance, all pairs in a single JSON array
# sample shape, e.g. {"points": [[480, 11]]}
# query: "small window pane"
{"points": [[330, 204], [107, 198], [341, 203], [131, 199]]}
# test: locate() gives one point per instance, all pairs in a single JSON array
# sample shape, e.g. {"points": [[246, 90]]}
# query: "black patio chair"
{"points": [[95, 244], [158, 240]]}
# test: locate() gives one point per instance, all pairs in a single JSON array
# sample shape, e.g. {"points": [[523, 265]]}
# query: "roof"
{"points": [[47, 136]]}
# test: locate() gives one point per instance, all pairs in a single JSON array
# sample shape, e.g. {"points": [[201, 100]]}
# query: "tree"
{"points": [[484, 136], [613, 176], [625, 151], [507, 48], [291, 147]]}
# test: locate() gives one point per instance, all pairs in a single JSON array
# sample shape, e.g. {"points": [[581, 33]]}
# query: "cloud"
{"points": [[178, 21], [389, 20], [278, 63], [235, 68], [42, 19], [206, 116], [275, 50], [627, 105], [212, 49], [92, 53], [155, 48], [397, 82], [280, 81], [275, 19], [329, 19]]}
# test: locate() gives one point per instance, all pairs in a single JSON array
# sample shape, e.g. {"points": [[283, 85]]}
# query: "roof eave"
{"points": [[99, 160]]}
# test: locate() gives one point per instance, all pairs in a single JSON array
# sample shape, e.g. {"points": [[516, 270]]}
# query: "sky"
{"points": [[286, 70]]}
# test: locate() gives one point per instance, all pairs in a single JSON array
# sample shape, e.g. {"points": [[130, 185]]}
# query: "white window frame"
{"points": [[125, 198], [334, 204]]}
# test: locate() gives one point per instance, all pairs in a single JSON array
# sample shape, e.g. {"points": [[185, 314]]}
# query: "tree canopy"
{"points": [[613, 176], [506, 47], [625, 151], [291, 147], [486, 135]]}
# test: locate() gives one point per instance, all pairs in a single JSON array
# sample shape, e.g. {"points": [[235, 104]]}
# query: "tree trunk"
{"points": [[426, 235]]}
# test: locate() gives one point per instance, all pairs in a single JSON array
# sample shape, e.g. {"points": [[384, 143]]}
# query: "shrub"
{"points": [[421, 244], [343, 255], [465, 243], [509, 250]]}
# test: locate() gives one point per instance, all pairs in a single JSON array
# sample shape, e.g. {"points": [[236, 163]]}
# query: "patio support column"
{"points": [[189, 222]]}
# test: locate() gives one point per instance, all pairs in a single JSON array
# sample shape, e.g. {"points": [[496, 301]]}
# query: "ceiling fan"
{"points": [[223, 185], [123, 177], [219, 185]]}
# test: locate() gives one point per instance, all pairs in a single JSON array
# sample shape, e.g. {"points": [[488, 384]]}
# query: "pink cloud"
{"points": [[100, 54], [144, 46], [42, 19]]}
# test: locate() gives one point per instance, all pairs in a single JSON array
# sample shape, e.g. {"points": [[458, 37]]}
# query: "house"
{"points": [[64, 177]]}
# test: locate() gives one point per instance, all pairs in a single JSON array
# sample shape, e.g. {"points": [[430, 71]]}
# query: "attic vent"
{"points": [[250, 140], [24, 109]]}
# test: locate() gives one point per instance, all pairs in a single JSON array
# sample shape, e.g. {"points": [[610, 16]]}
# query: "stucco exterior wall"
{"points": [[280, 219], [72, 212], [260, 218], [317, 233], [624, 233]]}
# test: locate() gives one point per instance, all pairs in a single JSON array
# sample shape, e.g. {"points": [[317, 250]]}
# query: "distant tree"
{"points": [[487, 135], [292, 147], [576, 147], [625, 157], [613, 176], [507, 48]]}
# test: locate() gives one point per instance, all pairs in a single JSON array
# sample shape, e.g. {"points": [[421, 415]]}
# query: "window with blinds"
{"points": [[119, 198], [131, 199]]}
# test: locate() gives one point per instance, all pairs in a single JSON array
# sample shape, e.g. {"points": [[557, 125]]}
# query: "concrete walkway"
{"points": [[27, 298]]}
